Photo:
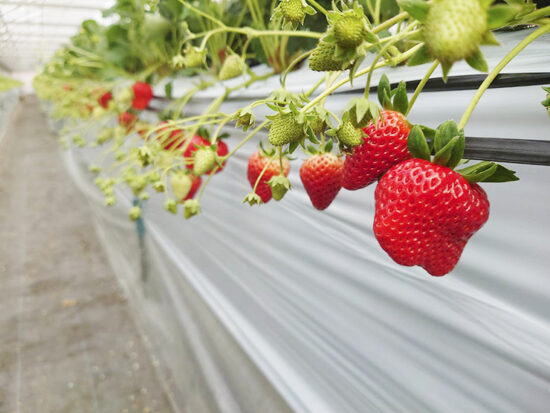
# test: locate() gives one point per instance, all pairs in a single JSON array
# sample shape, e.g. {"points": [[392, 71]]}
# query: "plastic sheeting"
{"points": [[284, 308]]}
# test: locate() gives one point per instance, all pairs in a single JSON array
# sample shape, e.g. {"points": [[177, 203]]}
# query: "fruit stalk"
{"points": [[498, 68]]}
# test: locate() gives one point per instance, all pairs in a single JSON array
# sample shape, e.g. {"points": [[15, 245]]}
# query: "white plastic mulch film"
{"points": [[284, 308]]}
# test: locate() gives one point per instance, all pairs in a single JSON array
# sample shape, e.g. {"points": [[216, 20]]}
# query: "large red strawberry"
{"points": [[222, 151], [143, 93], [321, 176], [384, 146], [104, 99], [256, 164], [195, 185], [425, 214], [196, 142]]}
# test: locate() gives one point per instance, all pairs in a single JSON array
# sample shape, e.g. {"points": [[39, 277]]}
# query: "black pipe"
{"points": [[524, 151]]}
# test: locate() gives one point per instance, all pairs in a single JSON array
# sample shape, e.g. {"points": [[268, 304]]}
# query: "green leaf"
{"points": [[429, 133], [477, 61], [292, 146], [446, 68], [445, 132], [445, 154], [500, 15], [546, 102], [401, 100], [488, 172], [416, 142], [384, 89], [489, 39], [420, 57], [168, 90], [329, 145], [457, 152], [416, 8]]}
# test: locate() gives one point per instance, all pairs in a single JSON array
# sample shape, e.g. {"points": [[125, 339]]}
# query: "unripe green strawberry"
{"points": [[193, 57], [350, 31], [233, 66], [181, 184], [204, 160], [454, 29], [280, 185], [322, 58], [349, 135], [318, 125], [285, 129], [293, 10]]}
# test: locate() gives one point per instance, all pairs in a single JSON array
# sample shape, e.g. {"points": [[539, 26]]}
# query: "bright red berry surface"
{"points": [[222, 150], [384, 146], [426, 213], [321, 176], [256, 164], [195, 185], [104, 99], [143, 93]]}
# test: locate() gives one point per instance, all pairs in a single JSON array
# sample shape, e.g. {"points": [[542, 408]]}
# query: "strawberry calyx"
{"points": [[395, 99], [447, 147], [280, 185]]}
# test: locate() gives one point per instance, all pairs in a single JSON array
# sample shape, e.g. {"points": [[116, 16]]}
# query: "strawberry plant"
{"points": [[429, 200]]}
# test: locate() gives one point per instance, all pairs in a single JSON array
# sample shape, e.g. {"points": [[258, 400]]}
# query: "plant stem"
{"points": [[498, 68], [250, 135], [318, 7], [292, 64], [263, 172], [421, 85], [390, 22], [329, 91]]}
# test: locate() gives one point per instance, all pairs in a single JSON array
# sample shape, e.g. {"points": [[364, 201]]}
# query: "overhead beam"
{"points": [[35, 23]]}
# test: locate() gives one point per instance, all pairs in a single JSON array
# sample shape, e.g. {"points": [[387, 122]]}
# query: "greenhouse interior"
{"points": [[275, 206]]}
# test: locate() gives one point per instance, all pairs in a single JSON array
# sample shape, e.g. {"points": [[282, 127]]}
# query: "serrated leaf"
{"points": [[416, 142], [420, 57], [500, 15], [401, 100], [477, 61], [444, 133], [416, 8], [384, 88], [443, 156]]}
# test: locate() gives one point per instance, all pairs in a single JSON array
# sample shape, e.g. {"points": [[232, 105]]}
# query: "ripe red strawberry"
{"points": [[127, 119], [256, 164], [104, 99], [143, 93], [222, 151], [425, 214], [322, 178], [384, 146], [196, 142], [195, 185]]}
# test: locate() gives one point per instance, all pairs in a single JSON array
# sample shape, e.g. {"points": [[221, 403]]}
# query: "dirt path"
{"points": [[68, 343]]}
